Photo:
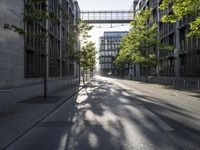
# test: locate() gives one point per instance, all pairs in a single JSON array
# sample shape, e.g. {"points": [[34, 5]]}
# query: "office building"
{"points": [[109, 47], [184, 60], [22, 58]]}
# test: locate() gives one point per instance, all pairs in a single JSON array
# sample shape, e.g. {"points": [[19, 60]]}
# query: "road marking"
{"points": [[159, 121]]}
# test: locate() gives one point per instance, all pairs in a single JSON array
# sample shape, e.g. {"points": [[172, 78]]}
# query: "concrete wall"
{"points": [[12, 60], [12, 48], [8, 98], [23, 93], [11, 44]]}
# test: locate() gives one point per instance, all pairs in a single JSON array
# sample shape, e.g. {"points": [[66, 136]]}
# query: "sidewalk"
{"points": [[29, 112]]}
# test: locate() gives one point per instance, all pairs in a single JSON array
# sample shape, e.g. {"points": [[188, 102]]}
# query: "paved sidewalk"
{"points": [[29, 112]]}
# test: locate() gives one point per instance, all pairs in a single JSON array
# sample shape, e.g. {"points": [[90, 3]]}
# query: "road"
{"points": [[113, 114]]}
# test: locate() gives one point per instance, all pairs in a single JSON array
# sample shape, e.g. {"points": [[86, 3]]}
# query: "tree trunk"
{"points": [[146, 74], [86, 75], [91, 73], [45, 76], [45, 58], [83, 76], [79, 74]]}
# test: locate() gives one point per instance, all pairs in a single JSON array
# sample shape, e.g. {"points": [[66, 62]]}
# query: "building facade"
{"points": [[109, 47], [22, 58], [184, 60]]}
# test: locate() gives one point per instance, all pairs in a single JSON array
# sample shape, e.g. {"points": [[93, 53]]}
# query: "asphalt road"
{"points": [[113, 114]]}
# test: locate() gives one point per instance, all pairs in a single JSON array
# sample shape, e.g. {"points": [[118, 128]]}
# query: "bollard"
{"points": [[198, 85]]}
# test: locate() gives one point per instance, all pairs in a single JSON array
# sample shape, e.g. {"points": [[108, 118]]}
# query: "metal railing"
{"points": [[107, 16], [178, 83]]}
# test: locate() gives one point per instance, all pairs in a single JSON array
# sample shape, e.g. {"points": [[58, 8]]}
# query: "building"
{"points": [[22, 59], [109, 47], [184, 60]]}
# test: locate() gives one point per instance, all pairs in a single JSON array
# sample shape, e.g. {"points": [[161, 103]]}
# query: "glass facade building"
{"points": [[184, 60], [109, 47]]}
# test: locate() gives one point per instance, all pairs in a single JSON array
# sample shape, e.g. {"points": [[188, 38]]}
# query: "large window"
{"points": [[35, 44], [34, 47]]}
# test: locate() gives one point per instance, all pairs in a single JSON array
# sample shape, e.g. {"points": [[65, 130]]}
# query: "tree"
{"points": [[87, 54], [123, 56], [87, 57], [181, 8], [37, 12], [140, 44]]}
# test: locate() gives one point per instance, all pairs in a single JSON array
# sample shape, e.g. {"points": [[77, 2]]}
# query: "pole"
{"points": [[83, 74], [45, 77], [79, 74], [45, 55]]}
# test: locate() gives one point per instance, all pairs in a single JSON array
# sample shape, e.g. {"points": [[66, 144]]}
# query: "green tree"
{"points": [[87, 54], [88, 59], [181, 8], [140, 44]]}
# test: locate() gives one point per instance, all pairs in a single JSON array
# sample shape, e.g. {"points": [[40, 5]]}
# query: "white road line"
{"points": [[159, 121]]}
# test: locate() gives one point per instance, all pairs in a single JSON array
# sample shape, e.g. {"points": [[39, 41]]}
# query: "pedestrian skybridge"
{"points": [[107, 17]]}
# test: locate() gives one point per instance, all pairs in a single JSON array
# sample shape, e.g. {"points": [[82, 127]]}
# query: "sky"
{"points": [[89, 5], [105, 4]]}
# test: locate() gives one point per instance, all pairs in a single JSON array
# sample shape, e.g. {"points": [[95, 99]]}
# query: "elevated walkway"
{"points": [[107, 17]]}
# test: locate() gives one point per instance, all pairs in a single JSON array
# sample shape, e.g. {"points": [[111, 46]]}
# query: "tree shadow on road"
{"points": [[106, 118]]}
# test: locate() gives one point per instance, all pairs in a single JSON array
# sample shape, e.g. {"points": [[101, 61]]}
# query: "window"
{"points": [[183, 60], [198, 56], [34, 51], [35, 46]]}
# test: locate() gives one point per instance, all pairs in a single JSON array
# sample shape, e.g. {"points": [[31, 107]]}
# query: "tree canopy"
{"points": [[87, 54], [140, 44], [181, 8]]}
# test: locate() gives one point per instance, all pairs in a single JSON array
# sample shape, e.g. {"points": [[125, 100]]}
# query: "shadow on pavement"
{"points": [[105, 116]]}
